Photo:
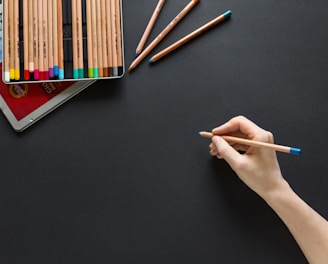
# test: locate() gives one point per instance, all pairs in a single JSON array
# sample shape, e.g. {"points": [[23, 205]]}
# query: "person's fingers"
{"points": [[238, 125], [225, 151]]}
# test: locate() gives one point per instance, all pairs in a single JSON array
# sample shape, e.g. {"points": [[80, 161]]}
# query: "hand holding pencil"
{"points": [[258, 167]]}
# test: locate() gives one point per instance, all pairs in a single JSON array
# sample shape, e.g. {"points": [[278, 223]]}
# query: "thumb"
{"points": [[225, 151]]}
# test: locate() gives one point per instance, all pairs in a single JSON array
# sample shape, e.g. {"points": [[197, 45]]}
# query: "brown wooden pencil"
{"points": [[74, 40], [80, 38], [94, 38], [104, 37], [45, 74], [118, 33], [190, 36], [16, 41], [26, 39], [89, 39], [30, 36], [36, 40], [55, 36], [113, 38], [109, 39], [40, 42], [99, 40], [162, 35], [6, 40], [150, 26], [61, 70], [50, 41], [253, 143], [11, 40]]}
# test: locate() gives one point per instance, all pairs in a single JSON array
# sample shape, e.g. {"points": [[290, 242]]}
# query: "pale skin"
{"points": [[259, 169]]}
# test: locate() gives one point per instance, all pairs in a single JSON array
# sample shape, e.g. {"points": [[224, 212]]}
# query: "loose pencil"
{"points": [[26, 39], [89, 40], [161, 36], [6, 40], [190, 36], [150, 26], [61, 73], [254, 143]]}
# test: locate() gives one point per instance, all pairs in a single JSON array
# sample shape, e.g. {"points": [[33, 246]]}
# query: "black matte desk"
{"points": [[119, 174]]}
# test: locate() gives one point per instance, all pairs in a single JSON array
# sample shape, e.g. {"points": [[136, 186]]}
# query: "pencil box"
{"points": [[62, 40]]}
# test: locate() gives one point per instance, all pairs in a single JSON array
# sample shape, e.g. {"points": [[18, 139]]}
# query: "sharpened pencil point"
{"points": [[227, 14]]}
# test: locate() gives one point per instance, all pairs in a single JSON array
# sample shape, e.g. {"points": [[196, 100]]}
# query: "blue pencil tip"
{"points": [[150, 60], [137, 54], [227, 14], [295, 151]]}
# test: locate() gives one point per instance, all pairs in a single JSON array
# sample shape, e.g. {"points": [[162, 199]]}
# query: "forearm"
{"points": [[309, 229]]}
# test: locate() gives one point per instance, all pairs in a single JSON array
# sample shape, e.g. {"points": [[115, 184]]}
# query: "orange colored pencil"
{"points": [[162, 35]]}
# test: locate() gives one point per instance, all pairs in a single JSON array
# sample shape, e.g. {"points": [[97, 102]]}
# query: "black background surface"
{"points": [[119, 174]]}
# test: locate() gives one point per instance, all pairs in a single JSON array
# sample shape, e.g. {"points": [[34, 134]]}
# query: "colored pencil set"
{"points": [[47, 40]]}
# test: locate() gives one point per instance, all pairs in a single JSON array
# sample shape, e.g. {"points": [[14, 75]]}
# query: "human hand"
{"points": [[257, 167]]}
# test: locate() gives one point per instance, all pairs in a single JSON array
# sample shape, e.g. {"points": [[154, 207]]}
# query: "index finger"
{"points": [[239, 125]]}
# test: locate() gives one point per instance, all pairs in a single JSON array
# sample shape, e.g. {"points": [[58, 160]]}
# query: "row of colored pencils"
{"points": [[42, 40], [35, 38], [104, 39]]}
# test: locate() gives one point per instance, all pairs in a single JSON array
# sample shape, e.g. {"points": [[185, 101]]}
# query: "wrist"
{"points": [[279, 191]]}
